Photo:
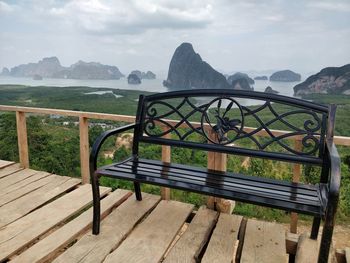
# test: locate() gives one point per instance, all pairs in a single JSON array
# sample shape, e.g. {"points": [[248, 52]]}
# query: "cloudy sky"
{"points": [[304, 36]]}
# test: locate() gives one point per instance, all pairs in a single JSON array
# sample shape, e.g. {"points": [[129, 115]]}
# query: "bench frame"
{"points": [[327, 156]]}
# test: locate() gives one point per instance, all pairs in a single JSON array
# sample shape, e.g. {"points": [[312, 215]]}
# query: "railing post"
{"points": [[296, 179], [22, 139], [218, 162], [84, 149], [166, 157]]}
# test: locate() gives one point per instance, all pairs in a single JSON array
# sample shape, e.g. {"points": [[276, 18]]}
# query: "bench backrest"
{"points": [[231, 121]]}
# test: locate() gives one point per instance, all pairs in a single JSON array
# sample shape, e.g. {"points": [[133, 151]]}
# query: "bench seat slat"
{"points": [[256, 190]]}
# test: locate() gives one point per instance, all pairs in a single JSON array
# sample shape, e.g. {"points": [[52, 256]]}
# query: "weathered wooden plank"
{"points": [[10, 170], [22, 138], [190, 244], [15, 178], [264, 242], [25, 204], [22, 232], [46, 248], [4, 164], [222, 242], [91, 248], [149, 241], [22, 184], [9, 196], [347, 254], [307, 250]]}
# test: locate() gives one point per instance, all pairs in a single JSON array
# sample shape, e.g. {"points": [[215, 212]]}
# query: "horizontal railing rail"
{"points": [[215, 160]]}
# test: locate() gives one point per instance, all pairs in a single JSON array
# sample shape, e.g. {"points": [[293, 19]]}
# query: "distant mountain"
{"points": [[51, 68], [45, 68], [187, 70], [5, 72], [331, 80], [285, 76], [270, 90], [89, 70], [261, 78], [240, 75]]}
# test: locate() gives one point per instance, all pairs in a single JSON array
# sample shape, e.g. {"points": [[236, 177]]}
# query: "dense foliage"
{"points": [[54, 147]]}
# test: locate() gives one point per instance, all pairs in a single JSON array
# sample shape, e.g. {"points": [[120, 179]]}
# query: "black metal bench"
{"points": [[216, 121]]}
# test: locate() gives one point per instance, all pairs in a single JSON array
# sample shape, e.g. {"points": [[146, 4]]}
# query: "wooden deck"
{"points": [[47, 218]]}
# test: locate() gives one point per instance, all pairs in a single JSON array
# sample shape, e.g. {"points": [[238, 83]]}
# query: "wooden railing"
{"points": [[215, 160]]}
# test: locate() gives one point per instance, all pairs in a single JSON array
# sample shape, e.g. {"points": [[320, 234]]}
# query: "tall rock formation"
{"points": [[187, 70], [285, 76], [331, 80]]}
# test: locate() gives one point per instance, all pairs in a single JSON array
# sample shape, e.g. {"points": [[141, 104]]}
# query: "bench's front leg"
{"points": [[96, 204], [137, 189]]}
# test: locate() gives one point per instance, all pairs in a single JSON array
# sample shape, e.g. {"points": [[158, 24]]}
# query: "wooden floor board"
{"points": [[149, 241], [15, 178], [25, 204], [47, 248], [10, 170], [27, 185], [221, 245], [4, 164], [91, 248], [264, 242], [190, 244], [20, 233]]}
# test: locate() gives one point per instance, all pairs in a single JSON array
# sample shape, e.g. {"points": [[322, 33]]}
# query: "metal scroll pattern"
{"points": [[224, 119]]}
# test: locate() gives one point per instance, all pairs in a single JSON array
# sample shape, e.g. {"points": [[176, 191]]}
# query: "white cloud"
{"points": [[6, 8]]}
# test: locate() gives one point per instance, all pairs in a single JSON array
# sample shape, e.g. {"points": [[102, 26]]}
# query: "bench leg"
{"points": [[137, 189], [315, 227], [97, 205], [327, 234]]}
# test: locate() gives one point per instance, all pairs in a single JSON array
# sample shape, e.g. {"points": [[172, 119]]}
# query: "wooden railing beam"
{"points": [[166, 157], [22, 139], [84, 149], [296, 179]]}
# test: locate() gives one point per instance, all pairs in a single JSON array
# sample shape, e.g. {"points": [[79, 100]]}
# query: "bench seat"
{"points": [[296, 197]]}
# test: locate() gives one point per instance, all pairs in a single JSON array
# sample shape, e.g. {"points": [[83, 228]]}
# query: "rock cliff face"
{"points": [[285, 76], [331, 80], [45, 67], [134, 79], [240, 75], [187, 70]]}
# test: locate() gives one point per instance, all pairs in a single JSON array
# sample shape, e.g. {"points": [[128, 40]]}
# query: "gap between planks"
{"points": [[27, 229]]}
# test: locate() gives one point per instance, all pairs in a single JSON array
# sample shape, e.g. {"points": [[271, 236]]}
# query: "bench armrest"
{"points": [[100, 140], [334, 180]]}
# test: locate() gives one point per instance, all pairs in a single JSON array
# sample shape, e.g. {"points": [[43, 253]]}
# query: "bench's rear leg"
{"points": [[137, 189], [315, 227], [97, 205]]}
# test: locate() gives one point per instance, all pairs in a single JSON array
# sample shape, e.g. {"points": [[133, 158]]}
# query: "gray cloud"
{"points": [[230, 35]]}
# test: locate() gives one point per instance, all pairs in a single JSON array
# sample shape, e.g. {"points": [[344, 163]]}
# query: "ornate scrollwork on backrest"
{"points": [[223, 120]]}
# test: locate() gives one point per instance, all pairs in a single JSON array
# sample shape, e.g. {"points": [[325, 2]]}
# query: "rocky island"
{"points": [[187, 70], [240, 75], [241, 84], [144, 75], [270, 90], [331, 80], [285, 76], [51, 67], [134, 79]]}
